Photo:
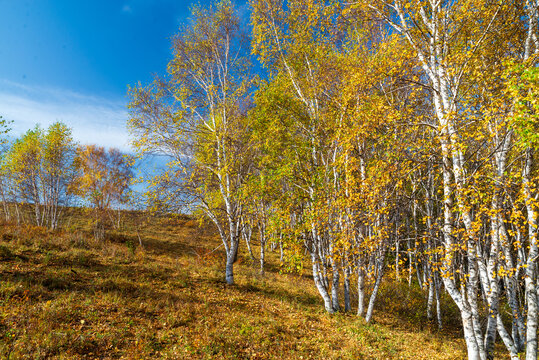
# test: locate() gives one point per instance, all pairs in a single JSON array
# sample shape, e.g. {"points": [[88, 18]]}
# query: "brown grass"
{"points": [[65, 296]]}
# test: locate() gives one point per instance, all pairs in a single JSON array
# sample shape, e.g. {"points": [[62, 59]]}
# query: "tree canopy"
{"points": [[382, 136]]}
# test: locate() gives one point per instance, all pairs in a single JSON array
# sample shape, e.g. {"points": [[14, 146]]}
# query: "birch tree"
{"points": [[196, 115], [448, 39], [5, 180], [42, 167], [102, 182]]}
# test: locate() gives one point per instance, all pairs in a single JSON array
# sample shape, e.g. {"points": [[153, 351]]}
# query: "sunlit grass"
{"points": [[66, 296]]}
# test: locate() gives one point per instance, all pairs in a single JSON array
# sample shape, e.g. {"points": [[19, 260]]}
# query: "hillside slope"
{"points": [[64, 296]]}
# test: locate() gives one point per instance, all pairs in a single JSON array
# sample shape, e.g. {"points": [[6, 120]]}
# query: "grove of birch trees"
{"points": [[365, 139], [44, 172]]}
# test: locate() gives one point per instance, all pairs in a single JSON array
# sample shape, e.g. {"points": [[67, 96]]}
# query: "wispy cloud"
{"points": [[127, 9], [94, 120]]}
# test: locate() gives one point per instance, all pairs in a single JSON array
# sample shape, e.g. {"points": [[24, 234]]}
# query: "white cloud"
{"points": [[94, 120]]}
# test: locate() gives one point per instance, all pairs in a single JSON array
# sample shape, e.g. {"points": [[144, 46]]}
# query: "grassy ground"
{"points": [[65, 296]]}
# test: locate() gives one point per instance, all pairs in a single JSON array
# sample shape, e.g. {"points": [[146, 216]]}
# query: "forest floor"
{"points": [[64, 295]]}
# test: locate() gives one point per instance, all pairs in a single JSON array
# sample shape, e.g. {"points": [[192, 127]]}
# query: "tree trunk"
{"points": [[335, 286], [262, 248], [531, 265], [430, 299], [506, 338], [397, 260], [374, 293], [347, 272], [322, 289], [469, 336], [360, 290], [438, 289], [231, 258], [246, 234], [229, 269]]}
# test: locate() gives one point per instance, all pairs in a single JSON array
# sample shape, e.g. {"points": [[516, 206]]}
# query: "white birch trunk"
{"points": [[530, 279], [430, 299], [378, 281], [320, 286], [347, 272], [262, 246], [360, 289], [335, 280]]}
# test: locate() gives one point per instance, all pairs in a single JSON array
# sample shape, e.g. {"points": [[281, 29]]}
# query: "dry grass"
{"points": [[64, 296]]}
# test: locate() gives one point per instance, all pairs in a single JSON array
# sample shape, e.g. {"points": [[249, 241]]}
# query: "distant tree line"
{"points": [[46, 171]]}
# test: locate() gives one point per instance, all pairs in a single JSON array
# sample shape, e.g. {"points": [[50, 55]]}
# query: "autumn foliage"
{"points": [[385, 138], [373, 145]]}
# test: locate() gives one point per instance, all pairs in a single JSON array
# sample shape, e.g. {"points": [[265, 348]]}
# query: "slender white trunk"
{"points": [[346, 283], [397, 260], [247, 234], [230, 259], [410, 264], [474, 352], [506, 338], [360, 289], [372, 299], [322, 288], [430, 299], [335, 281], [438, 289], [531, 265], [262, 247]]}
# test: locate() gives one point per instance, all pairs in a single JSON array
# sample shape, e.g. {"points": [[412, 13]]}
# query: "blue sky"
{"points": [[71, 60]]}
